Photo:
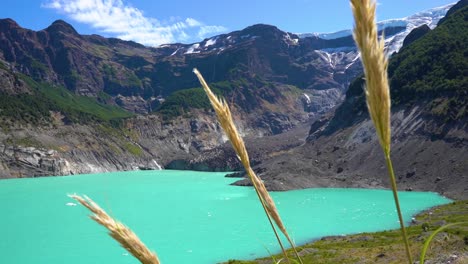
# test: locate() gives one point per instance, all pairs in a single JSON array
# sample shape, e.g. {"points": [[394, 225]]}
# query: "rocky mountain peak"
{"points": [[269, 32], [415, 34], [459, 5], [8, 24], [261, 29], [61, 26], [395, 30]]}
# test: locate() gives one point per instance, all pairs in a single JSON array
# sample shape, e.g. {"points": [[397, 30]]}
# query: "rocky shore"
{"points": [[448, 246], [298, 158], [424, 160]]}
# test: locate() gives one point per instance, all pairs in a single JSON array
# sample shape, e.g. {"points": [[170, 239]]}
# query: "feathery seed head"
{"points": [[122, 234], [225, 119], [377, 90], [375, 65]]}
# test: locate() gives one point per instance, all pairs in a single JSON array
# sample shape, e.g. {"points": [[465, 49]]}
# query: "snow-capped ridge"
{"points": [[394, 42], [193, 49], [328, 36], [429, 17], [330, 43], [210, 42]]}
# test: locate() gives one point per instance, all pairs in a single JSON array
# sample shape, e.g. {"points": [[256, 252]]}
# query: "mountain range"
{"points": [[429, 89], [72, 103]]}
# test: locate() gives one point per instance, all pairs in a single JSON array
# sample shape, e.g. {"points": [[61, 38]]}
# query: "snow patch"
{"points": [[393, 43], [307, 97], [193, 49], [340, 49], [326, 57], [353, 61], [221, 50], [339, 59], [175, 52], [330, 35], [287, 38], [429, 17], [157, 164], [210, 42]]}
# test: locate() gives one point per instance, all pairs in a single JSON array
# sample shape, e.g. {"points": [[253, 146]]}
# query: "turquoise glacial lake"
{"points": [[186, 217]]}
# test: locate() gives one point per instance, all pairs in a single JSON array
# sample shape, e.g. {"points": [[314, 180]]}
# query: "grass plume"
{"points": [[225, 119], [377, 90], [431, 237], [121, 233], [375, 68]]}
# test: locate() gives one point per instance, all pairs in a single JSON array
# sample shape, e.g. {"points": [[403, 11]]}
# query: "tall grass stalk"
{"points": [[121, 233], [225, 119], [377, 90], [429, 239]]}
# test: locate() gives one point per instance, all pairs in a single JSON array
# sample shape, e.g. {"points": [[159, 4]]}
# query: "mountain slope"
{"points": [[429, 73], [429, 126], [137, 78], [405, 25], [255, 68], [92, 102]]}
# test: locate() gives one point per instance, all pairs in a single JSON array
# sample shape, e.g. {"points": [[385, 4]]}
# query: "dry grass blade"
{"points": [[431, 237], [119, 232], [269, 203], [225, 119], [375, 65], [375, 68]]}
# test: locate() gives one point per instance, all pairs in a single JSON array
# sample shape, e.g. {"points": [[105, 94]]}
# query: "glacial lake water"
{"points": [[185, 216]]}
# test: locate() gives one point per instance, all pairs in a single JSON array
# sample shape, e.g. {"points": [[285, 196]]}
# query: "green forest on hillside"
{"points": [[35, 107], [432, 71]]}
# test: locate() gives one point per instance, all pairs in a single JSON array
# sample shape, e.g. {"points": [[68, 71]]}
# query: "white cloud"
{"points": [[205, 30], [192, 22], [126, 22], [183, 36]]}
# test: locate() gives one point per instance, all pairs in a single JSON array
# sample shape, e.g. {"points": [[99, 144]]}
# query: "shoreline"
{"points": [[244, 182], [366, 241], [310, 242]]}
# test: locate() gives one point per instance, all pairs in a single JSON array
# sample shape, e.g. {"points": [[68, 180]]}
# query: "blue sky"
{"points": [[154, 22]]}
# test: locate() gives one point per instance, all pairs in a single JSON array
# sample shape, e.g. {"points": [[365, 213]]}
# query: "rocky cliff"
{"points": [[429, 125], [77, 104], [72, 103], [143, 142], [133, 76]]}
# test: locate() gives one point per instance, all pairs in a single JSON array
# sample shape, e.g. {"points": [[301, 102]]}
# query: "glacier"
{"points": [[429, 17]]}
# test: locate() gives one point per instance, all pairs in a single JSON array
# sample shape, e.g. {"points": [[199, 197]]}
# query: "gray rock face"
{"points": [[146, 142], [134, 104], [323, 101], [352, 157], [9, 83], [29, 161], [275, 123]]}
